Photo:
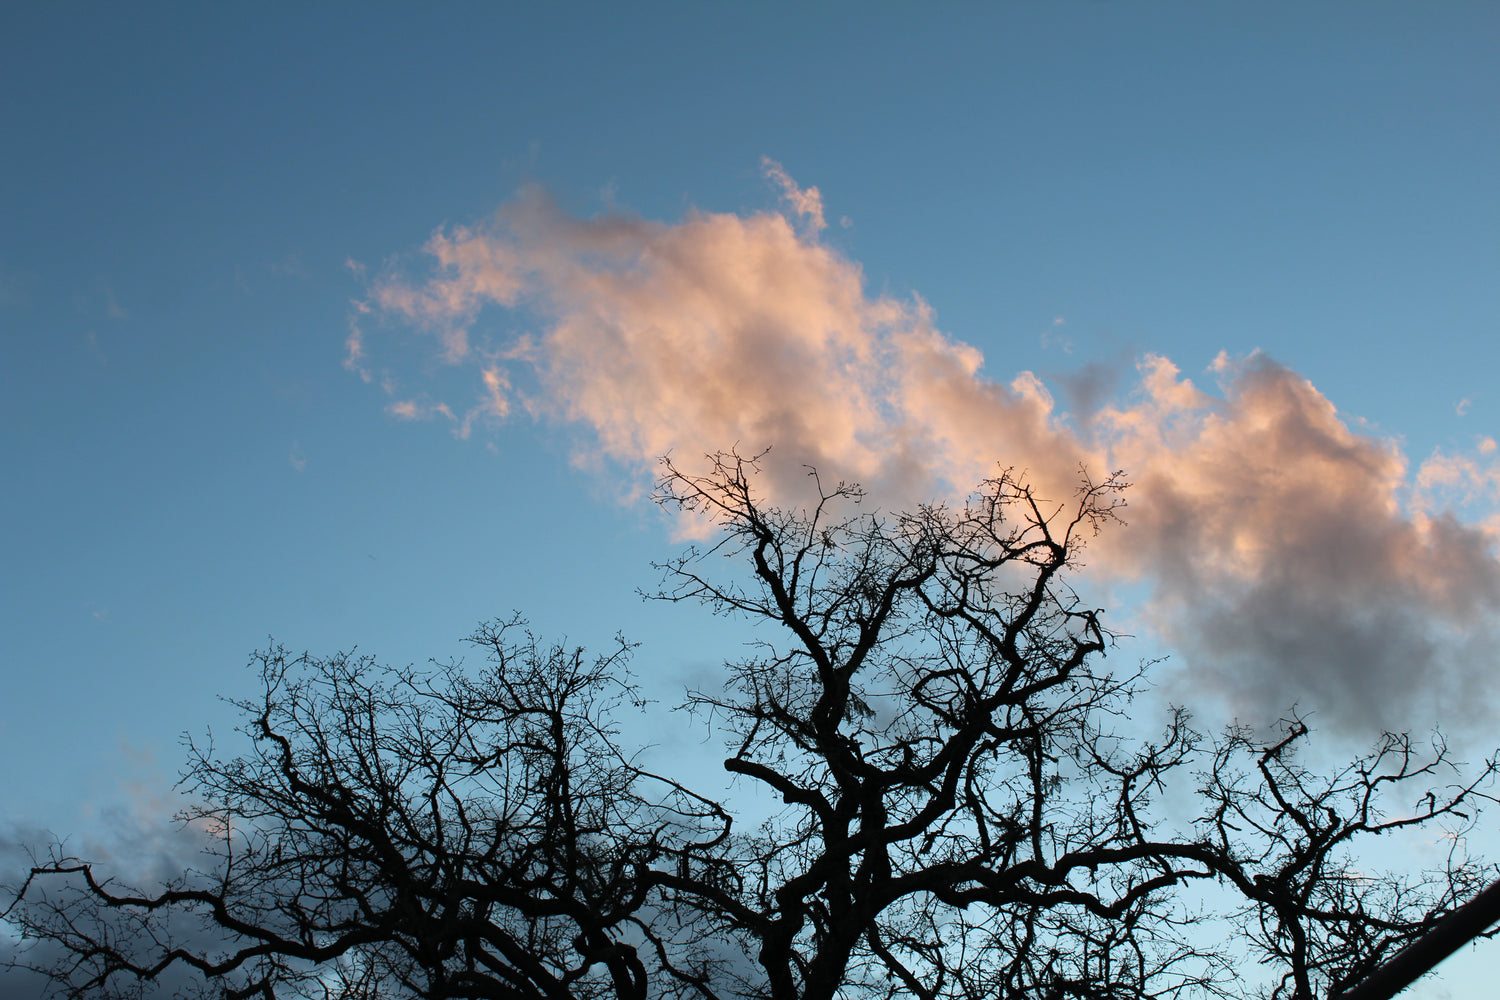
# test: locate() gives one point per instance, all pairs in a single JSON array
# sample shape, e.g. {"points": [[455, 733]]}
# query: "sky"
{"points": [[355, 325]]}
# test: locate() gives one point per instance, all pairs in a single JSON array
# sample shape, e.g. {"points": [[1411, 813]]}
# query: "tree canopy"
{"points": [[964, 808]]}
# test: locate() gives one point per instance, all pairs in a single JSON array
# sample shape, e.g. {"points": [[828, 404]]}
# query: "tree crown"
{"points": [[965, 808]]}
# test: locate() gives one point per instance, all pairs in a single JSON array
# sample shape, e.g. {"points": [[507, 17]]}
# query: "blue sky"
{"points": [[195, 205]]}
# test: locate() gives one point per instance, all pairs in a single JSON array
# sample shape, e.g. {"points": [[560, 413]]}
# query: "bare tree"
{"points": [[966, 809], [396, 833]]}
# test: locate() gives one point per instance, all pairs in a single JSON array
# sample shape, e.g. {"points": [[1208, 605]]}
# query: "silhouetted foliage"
{"points": [[964, 811]]}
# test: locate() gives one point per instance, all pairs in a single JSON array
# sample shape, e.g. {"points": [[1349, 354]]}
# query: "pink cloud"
{"points": [[354, 342], [1288, 556], [1283, 558], [717, 331], [406, 409], [806, 202], [493, 404]]}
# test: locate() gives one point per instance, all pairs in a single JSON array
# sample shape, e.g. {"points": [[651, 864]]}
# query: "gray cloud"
{"points": [[136, 844]]}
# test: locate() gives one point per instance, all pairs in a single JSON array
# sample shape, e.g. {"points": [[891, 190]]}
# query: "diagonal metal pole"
{"points": [[1451, 933]]}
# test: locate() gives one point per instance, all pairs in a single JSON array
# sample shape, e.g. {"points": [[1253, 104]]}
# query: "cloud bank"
{"points": [[1288, 556]]}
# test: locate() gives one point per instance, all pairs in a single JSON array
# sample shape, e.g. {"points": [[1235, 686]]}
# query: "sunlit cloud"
{"points": [[419, 408], [492, 406], [1289, 554], [806, 202], [1282, 557], [354, 340], [1466, 483]]}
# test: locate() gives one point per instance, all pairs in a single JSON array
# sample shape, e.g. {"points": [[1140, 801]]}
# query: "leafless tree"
{"points": [[397, 833], [966, 808]]}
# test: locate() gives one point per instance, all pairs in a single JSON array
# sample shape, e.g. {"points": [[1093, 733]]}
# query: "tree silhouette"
{"points": [[963, 811]]}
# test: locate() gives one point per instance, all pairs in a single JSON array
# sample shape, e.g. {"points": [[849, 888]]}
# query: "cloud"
{"points": [[806, 202], [1466, 483], [1282, 559], [1288, 556], [492, 405], [1056, 336], [419, 408], [475, 272], [717, 331], [354, 340], [135, 841]]}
